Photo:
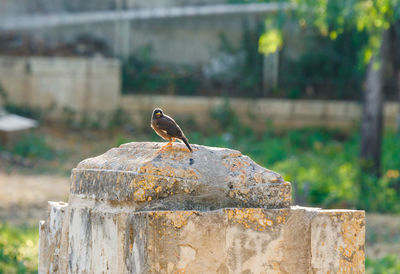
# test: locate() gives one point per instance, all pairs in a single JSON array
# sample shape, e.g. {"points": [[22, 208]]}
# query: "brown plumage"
{"points": [[167, 128]]}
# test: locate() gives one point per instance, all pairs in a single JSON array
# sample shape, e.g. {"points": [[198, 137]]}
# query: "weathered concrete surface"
{"points": [[209, 178], [137, 210], [51, 233], [340, 253], [102, 239]]}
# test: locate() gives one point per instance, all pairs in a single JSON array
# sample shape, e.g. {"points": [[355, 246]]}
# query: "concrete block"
{"points": [[112, 239], [391, 111], [61, 66], [137, 210], [308, 109], [338, 241]]}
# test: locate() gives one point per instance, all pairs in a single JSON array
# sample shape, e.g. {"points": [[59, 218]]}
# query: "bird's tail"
{"points": [[185, 140]]}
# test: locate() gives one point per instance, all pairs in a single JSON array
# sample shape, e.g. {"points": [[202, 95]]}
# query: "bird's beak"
{"points": [[158, 114]]}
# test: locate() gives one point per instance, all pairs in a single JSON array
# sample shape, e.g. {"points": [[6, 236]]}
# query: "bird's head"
{"points": [[157, 113]]}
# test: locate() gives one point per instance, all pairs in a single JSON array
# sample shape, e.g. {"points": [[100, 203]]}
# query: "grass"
{"points": [[19, 247], [389, 264]]}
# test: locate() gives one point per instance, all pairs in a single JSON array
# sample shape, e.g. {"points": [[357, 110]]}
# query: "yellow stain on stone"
{"points": [[168, 171], [236, 164], [270, 222], [253, 218], [139, 195], [235, 154], [158, 189], [143, 188], [177, 219], [280, 219], [351, 249]]}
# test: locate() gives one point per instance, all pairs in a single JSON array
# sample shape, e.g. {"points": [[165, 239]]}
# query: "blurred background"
{"points": [[309, 89]]}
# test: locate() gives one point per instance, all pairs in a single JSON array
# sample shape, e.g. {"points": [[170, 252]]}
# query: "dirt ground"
{"points": [[23, 198]]}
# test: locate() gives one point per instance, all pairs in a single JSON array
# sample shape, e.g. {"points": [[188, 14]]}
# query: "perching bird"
{"points": [[167, 128]]}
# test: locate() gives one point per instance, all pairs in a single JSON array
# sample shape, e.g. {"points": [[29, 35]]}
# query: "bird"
{"points": [[167, 128]]}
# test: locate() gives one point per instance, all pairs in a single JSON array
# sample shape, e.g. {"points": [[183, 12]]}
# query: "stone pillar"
{"points": [[137, 210]]}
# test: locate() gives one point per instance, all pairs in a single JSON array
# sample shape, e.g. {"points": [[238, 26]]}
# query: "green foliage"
{"points": [[326, 70], [322, 165], [241, 74], [119, 118], [122, 140], [18, 249], [390, 264], [244, 76], [69, 116], [25, 111], [349, 34], [141, 74], [73, 120], [33, 146], [333, 18], [270, 41], [225, 116], [3, 93]]}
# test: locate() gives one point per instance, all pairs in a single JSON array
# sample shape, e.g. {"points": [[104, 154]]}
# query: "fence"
{"points": [[92, 86]]}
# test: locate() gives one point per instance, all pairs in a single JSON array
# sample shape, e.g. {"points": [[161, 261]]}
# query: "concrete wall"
{"points": [[282, 113], [191, 41], [186, 41], [53, 84]]}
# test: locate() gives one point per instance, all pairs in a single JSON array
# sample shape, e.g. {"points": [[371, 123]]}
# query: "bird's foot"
{"points": [[164, 147]]}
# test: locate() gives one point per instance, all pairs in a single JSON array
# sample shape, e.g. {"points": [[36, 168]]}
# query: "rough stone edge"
{"points": [[51, 235], [125, 193]]}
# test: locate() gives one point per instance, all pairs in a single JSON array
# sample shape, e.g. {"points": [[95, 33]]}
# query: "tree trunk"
{"points": [[372, 117], [396, 61], [397, 75]]}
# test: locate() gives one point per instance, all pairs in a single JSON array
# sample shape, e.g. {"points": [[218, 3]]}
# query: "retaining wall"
{"points": [[255, 113]]}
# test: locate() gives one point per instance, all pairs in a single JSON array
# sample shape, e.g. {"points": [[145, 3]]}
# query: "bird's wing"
{"points": [[170, 126]]}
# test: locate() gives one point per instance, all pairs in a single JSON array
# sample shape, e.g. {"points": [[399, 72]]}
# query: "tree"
{"points": [[331, 18]]}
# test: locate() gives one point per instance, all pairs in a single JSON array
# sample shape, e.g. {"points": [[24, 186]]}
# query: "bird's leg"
{"points": [[169, 144]]}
